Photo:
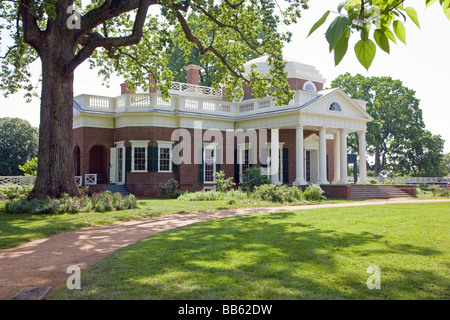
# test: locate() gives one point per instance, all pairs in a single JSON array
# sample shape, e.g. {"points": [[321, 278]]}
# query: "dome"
{"points": [[295, 69]]}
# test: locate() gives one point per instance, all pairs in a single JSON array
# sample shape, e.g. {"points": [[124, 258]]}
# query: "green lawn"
{"points": [[22, 228], [308, 254]]}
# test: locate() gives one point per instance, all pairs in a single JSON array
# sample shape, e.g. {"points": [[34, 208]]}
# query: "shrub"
{"points": [[202, 196], [314, 193], [373, 181], [439, 191], [14, 191], [212, 195], [101, 202], [424, 186], [279, 194], [222, 183], [167, 190], [253, 178]]}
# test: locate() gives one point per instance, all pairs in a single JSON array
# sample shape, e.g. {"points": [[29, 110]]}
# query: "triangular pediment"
{"points": [[343, 105]]}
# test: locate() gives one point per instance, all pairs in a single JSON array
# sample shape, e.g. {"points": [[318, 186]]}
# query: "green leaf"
{"points": [[336, 30], [412, 13], [429, 3], [341, 48], [400, 31], [319, 22], [446, 7], [341, 5], [365, 52], [382, 40], [390, 35]]}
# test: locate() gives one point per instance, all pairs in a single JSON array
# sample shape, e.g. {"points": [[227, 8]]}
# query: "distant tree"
{"points": [[30, 167], [396, 138], [18, 144]]}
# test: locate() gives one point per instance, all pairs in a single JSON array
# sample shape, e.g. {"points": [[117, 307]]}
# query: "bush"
{"points": [[14, 191], [253, 178], [100, 202], [373, 181], [279, 194], [212, 195], [439, 191], [222, 183], [314, 193], [167, 190], [424, 186], [203, 195]]}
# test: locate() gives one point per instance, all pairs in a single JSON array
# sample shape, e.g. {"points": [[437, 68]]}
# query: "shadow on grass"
{"points": [[252, 257]]}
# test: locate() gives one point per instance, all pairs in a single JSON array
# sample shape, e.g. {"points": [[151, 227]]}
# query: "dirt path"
{"points": [[44, 262]]}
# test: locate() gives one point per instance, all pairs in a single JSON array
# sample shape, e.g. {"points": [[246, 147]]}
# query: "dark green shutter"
{"points": [[236, 167], [127, 159], [200, 166], [285, 165], [152, 159], [218, 159]]}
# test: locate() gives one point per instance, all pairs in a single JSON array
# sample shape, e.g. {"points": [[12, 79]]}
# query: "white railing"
{"points": [[415, 180], [79, 180], [90, 179], [208, 102], [196, 89], [19, 180]]}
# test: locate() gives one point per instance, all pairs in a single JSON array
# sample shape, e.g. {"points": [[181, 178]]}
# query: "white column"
{"points": [[343, 143], [274, 156], [323, 156], [362, 158], [337, 157], [299, 167]]}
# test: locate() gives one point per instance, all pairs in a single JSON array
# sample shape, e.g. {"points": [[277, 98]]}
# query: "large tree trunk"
{"points": [[55, 174]]}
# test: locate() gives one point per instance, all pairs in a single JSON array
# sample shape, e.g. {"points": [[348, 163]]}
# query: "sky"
{"points": [[422, 65]]}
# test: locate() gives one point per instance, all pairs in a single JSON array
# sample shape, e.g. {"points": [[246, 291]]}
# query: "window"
{"points": [[209, 164], [164, 156], [309, 86], [267, 169], [335, 107], [139, 156]]}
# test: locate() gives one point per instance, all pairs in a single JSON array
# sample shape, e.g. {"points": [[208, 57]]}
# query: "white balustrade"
{"points": [[79, 180], [90, 179], [19, 180]]}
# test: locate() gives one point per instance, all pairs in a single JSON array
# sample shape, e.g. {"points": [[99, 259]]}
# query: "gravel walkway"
{"points": [[44, 262]]}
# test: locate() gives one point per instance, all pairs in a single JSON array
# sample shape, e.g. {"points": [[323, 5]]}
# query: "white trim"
{"points": [[165, 145], [139, 144], [206, 188], [311, 83], [211, 146]]}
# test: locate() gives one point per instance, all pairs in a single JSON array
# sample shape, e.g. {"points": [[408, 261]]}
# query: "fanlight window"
{"points": [[335, 106], [309, 86]]}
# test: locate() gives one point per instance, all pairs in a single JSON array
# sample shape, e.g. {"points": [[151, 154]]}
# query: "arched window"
{"points": [[309, 86], [335, 106]]}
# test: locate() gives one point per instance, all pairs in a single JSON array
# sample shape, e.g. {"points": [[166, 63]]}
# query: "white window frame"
{"points": [[209, 146], [329, 106], [267, 168], [139, 144], [166, 145], [311, 83], [242, 148]]}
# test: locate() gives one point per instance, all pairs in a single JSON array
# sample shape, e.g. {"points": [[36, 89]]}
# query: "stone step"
{"points": [[119, 188]]}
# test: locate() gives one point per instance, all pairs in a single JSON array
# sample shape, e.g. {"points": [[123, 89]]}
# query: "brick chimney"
{"points": [[152, 82], [124, 89], [193, 74]]}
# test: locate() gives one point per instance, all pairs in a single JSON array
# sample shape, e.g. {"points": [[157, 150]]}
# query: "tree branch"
{"points": [[96, 40]]}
